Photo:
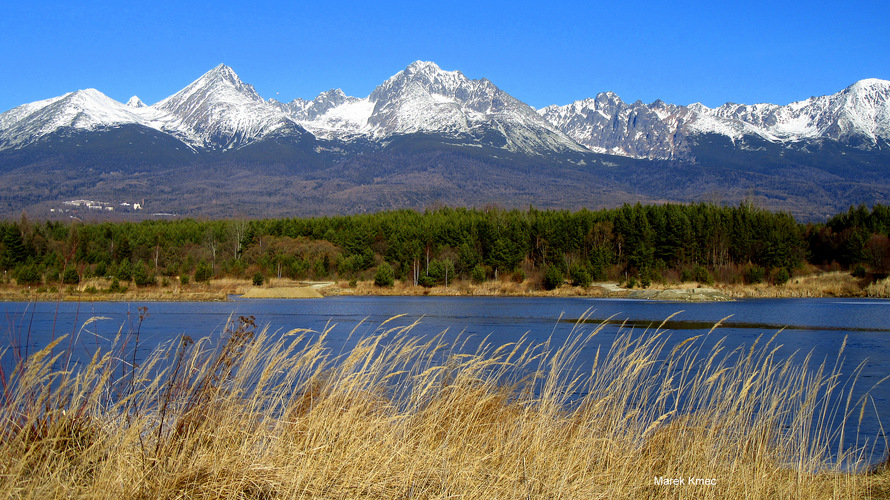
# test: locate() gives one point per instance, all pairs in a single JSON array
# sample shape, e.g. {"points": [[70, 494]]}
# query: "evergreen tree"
{"points": [[477, 274], [203, 272], [124, 271], [385, 275], [141, 275], [13, 248], [28, 275], [123, 250], [580, 276], [553, 277], [70, 276]]}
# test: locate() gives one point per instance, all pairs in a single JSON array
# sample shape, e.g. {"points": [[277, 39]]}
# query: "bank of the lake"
{"points": [[825, 284]]}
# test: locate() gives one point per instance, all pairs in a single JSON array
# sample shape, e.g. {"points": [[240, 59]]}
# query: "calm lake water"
{"points": [[804, 325]]}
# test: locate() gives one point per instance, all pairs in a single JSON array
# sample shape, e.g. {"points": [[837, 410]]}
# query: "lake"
{"points": [[803, 325]]}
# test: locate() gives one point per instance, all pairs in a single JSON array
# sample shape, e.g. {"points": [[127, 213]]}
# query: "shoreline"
{"points": [[830, 284]]}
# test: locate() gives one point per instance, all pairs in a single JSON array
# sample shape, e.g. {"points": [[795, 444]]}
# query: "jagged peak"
{"points": [[338, 93], [422, 66], [869, 84], [223, 71], [423, 74], [427, 69], [223, 74], [221, 80], [220, 75], [135, 102]]}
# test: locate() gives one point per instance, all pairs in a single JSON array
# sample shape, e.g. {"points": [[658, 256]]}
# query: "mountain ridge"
{"points": [[219, 111], [427, 135]]}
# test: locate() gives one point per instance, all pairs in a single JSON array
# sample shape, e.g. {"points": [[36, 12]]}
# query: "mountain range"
{"points": [[427, 136]]}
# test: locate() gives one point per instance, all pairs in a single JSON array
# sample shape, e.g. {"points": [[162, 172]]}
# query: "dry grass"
{"points": [[879, 289], [289, 292], [815, 284], [97, 289], [827, 284], [252, 415], [499, 287]]}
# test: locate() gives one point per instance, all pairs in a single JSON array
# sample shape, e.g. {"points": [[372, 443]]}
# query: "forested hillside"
{"points": [[637, 244]]}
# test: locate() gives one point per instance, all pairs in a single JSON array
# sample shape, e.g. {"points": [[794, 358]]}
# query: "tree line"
{"points": [[636, 244]]}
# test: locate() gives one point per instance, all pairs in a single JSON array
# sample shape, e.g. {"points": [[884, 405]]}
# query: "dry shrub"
{"points": [[878, 289]]}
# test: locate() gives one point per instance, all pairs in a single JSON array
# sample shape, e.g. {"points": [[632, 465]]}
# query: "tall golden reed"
{"points": [[257, 415]]}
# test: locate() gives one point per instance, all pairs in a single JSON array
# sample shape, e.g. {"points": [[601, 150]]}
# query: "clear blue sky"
{"points": [[540, 52]]}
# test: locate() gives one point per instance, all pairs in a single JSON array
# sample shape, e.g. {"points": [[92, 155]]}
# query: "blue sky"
{"points": [[540, 52]]}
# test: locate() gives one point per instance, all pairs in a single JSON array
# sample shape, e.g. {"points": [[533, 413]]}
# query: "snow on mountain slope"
{"points": [[425, 98], [331, 115], [135, 102], [14, 129], [345, 121], [218, 110], [606, 124], [81, 110], [858, 115], [861, 110]]}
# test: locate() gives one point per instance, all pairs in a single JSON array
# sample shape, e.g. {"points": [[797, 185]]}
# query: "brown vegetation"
{"points": [[812, 283], [817, 284]]}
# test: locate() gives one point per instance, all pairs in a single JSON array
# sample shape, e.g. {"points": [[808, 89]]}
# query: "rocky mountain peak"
{"points": [[220, 84], [870, 85], [427, 67], [219, 110], [135, 102], [420, 77]]}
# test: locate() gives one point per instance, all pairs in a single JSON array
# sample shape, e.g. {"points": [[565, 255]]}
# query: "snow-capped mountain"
{"points": [[216, 111], [858, 115], [430, 136], [606, 124], [220, 112], [88, 110], [859, 112], [135, 102], [331, 115], [424, 98]]}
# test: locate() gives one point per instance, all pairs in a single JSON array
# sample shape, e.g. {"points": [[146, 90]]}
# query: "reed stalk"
{"points": [[252, 414]]}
